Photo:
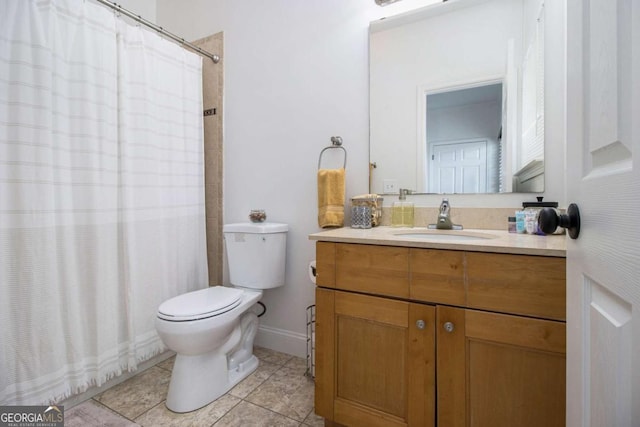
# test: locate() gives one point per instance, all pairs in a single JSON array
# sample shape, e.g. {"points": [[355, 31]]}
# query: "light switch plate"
{"points": [[390, 185]]}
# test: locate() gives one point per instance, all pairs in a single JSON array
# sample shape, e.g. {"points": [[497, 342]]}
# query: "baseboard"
{"points": [[282, 340]]}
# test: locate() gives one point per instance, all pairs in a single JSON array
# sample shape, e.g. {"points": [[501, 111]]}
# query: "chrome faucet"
{"points": [[444, 220]]}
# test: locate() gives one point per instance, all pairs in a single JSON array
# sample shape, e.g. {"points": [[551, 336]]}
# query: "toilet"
{"points": [[212, 330]]}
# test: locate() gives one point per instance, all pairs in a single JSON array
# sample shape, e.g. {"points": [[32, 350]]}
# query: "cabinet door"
{"points": [[377, 365], [499, 370]]}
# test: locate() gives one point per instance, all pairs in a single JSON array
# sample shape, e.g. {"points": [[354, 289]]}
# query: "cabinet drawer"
{"points": [[437, 276], [518, 284], [380, 270]]}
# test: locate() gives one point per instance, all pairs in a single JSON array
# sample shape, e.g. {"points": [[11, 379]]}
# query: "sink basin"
{"points": [[445, 235]]}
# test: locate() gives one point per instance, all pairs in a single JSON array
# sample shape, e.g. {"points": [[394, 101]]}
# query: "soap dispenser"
{"points": [[402, 211]]}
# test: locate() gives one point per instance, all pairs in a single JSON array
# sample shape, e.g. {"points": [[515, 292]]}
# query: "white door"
{"points": [[459, 167], [603, 179]]}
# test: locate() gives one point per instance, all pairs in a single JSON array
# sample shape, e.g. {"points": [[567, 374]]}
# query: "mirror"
{"points": [[457, 98]]}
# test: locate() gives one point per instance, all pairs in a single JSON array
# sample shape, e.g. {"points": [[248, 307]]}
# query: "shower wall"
{"points": [[212, 76]]}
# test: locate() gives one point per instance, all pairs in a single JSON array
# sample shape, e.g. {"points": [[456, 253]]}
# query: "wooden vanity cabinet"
{"points": [[439, 338], [374, 366], [499, 370]]}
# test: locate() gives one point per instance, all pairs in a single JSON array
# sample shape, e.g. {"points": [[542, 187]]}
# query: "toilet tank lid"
{"points": [[256, 227]]}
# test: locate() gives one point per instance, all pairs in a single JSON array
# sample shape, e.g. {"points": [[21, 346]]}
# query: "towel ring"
{"points": [[336, 142]]}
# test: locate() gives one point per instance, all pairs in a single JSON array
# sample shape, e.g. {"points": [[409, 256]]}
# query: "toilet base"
{"points": [[243, 371], [197, 381]]}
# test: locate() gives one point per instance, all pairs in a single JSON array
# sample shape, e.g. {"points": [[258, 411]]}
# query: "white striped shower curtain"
{"points": [[101, 194]]}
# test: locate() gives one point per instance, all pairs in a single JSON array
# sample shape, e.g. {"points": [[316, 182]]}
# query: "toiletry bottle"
{"points": [[402, 211], [531, 220], [521, 227]]}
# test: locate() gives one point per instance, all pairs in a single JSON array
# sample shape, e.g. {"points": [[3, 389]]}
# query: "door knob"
{"points": [[420, 324], [448, 326], [549, 220]]}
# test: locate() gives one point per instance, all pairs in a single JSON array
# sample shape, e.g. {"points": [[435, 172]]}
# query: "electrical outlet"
{"points": [[390, 185]]}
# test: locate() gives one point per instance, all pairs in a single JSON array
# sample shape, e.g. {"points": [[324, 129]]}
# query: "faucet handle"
{"points": [[445, 206]]}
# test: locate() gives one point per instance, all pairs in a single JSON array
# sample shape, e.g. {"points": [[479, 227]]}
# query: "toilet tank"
{"points": [[256, 253]]}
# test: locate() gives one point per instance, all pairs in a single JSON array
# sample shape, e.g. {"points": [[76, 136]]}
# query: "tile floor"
{"points": [[278, 394]]}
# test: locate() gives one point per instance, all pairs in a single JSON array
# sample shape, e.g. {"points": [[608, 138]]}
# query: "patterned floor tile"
{"points": [[277, 394], [286, 392], [297, 365], [245, 414], [167, 364], [91, 413], [313, 420], [246, 386], [138, 394], [271, 356], [160, 416]]}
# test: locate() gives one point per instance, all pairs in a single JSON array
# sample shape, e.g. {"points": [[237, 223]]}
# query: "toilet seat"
{"points": [[200, 304]]}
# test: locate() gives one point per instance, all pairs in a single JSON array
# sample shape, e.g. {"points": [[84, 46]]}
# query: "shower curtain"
{"points": [[101, 194]]}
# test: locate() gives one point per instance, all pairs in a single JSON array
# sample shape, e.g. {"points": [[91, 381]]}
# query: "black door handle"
{"points": [[549, 220]]}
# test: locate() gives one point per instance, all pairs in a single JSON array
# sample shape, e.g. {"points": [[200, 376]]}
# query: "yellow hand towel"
{"points": [[331, 197]]}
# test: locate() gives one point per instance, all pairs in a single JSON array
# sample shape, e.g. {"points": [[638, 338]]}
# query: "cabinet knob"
{"points": [[421, 324], [448, 327]]}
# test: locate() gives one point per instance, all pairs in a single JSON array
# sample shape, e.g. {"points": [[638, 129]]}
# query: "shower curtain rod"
{"points": [[215, 58]]}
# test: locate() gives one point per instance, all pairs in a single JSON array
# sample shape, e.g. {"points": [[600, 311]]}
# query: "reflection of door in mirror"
{"points": [[463, 140], [458, 167]]}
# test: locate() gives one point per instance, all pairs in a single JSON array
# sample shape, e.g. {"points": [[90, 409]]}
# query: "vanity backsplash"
{"points": [[471, 218]]}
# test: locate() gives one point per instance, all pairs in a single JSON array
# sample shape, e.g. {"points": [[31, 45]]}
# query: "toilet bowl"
{"points": [[212, 329]]}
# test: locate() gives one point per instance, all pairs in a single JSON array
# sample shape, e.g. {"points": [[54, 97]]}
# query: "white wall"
{"points": [[296, 72], [144, 8]]}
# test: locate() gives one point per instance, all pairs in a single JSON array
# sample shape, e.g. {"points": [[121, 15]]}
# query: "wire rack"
{"points": [[311, 341]]}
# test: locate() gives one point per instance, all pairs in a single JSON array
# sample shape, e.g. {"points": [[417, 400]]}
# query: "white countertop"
{"points": [[501, 241]]}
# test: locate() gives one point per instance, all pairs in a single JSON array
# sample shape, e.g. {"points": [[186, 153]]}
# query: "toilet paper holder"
{"points": [[313, 271]]}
